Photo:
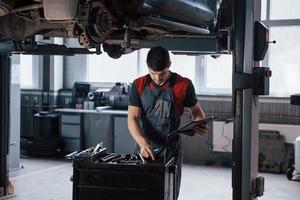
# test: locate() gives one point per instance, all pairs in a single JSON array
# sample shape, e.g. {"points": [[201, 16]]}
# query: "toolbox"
{"points": [[111, 176]]}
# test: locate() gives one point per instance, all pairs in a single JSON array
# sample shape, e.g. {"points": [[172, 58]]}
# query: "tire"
{"points": [[289, 173]]}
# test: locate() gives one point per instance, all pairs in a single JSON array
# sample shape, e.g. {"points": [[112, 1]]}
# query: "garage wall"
{"points": [[277, 110], [272, 110]]}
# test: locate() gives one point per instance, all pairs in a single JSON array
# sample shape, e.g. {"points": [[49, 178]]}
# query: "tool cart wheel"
{"points": [[289, 173]]}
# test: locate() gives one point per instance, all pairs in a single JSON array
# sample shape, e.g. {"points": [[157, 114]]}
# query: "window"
{"points": [[184, 65], [284, 60], [218, 74], [283, 20], [287, 9], [26, 71], [105, 69], [102, 68], [215, 74], [263, 9]]}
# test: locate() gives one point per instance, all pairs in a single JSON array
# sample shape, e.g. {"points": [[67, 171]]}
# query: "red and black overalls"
{"points": [[162, 107]]}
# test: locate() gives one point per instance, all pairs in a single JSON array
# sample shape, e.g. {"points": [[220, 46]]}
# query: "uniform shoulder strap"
{"points": [[141, 84]]}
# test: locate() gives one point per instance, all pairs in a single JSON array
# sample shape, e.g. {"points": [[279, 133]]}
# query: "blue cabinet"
{"points": [[71, 131]]}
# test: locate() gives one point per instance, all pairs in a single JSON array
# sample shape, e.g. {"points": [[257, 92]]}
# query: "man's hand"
{"points": [[201, 130], [147, 152]]}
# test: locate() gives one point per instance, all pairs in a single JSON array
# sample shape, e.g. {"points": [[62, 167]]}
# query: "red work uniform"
{"points": [[162, 107]]}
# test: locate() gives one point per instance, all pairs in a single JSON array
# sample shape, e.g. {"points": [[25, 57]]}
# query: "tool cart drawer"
{"points": [[95, 180], [96, 193], [120, 179]]}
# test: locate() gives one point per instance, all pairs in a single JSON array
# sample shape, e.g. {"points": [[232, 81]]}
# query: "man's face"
{"points": [[159, 77]]}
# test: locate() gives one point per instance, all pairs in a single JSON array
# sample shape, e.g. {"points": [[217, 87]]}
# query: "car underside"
{"points": [[120, 26]]}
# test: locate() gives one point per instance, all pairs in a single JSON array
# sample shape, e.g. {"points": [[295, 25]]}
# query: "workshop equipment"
{"points": [[45, 140], [116, 97], [297, 155], [272, 152], [45, 123], [110, 176], [79, 94], [119, 101], [294, 170], [98, 97]]}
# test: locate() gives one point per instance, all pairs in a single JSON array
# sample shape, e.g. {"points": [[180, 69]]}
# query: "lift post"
{"points": [[246, 185], [4, 120]]}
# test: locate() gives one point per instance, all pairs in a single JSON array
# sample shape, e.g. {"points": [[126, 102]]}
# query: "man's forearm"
{"points": [[197, 112], [198, 117]]}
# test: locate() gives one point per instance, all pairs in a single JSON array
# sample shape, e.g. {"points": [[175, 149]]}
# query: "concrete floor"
{"points": [[45, 179]]}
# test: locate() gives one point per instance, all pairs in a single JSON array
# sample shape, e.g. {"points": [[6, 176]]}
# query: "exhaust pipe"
{"points": [[175, 25], [202, 13]]}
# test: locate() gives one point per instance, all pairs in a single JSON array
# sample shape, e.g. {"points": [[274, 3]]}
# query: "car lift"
{"points": [[249, 81], [4, 120], [245, 183]]}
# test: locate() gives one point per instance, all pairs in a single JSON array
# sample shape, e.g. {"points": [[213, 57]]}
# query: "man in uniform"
{"points": [[158, 99]]}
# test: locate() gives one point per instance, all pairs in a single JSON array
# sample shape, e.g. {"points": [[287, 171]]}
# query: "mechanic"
{"points": [[158, 99]]}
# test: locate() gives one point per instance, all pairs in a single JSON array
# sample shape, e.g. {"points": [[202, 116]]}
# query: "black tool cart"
{"points": [[111, 176]]}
